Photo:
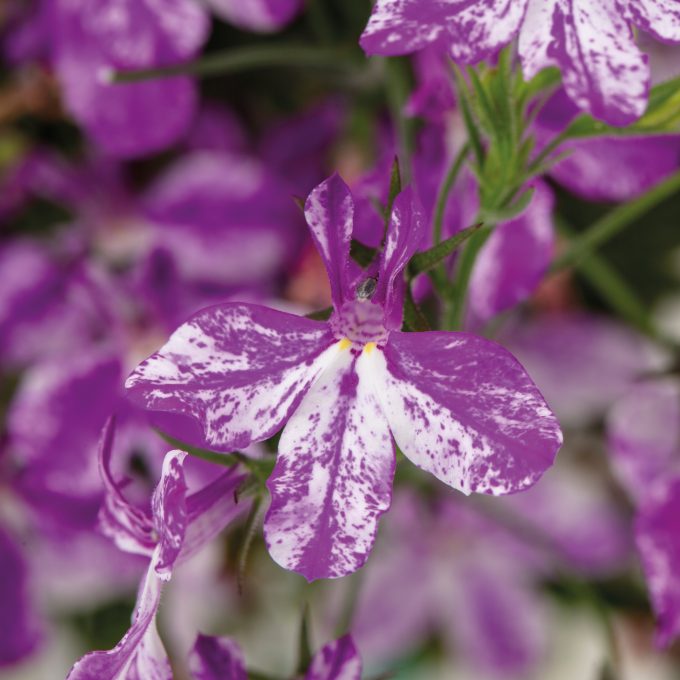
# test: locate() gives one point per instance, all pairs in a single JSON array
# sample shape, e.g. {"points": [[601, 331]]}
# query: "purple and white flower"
{"points": [[593, 43], [458, 406], [174, 529]]}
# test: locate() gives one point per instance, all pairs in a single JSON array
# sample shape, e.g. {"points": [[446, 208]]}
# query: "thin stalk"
{"points": [[245, 59], [615, 222], [398, 90], [252, 524], [455, 311]]}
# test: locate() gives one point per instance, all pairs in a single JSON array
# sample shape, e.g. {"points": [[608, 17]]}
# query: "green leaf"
{"points": [[270, 55], [304, 645], [321, 315], [662, 117], [224, 459], [474, 137], [429, 259]]}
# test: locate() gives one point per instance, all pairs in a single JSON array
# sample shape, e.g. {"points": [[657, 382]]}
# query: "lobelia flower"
{"points": [[458, 406], [175, 528], [593, 43], [214, 658]]}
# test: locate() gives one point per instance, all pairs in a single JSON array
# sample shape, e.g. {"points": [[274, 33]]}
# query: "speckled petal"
{"points": [[217, 658], [644, 435], [333, 475], [140, 654], [470, 29], [126, 525], [404, 238], [464, 409], [261, 16], [329, 210], [514, 259], [168, 507], [661, 18], [240, 370], [657, 533], [603, 70], [338, 660]]}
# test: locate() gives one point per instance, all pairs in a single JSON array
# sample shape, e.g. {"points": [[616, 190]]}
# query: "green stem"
{"points": [[398, 90], [344, 624], [444, 191], [224, 459], [245, 59], [456, 305], [615, 222]]}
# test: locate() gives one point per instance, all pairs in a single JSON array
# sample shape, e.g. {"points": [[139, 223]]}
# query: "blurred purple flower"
{"points": [[92, 38], [216, 658], [605, 168], [581, 362], [657, 532], [174, 529], [243, 371], [603, 70], [474, 573], [18, 619]]}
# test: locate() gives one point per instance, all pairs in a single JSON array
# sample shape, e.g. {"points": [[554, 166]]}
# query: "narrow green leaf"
{"points": [[224, 459], [662, 117], [423, 262], [252, 525], [246, 59], [395, 190], [304, 644], [474, 137]]}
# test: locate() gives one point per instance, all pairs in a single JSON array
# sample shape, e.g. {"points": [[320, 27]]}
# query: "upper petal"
{"points": [[333, 475], [238, 369], [471, 29], [657, 533], [338, 660], [217, 658], [661, 18], [464, 409], [514, 259], [329, 210], [404, 237], [126, 525], [170, 513], [603, 70]]}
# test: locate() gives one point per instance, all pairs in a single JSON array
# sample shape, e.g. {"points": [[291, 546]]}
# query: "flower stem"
{"points": [[245, 59], [444, 191]]}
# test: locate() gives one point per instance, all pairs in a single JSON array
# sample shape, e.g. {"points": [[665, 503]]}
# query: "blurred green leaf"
{"points": [[423, 262]]}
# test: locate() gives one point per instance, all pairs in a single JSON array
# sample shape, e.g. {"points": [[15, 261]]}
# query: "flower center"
{"points": [[360, 321]]}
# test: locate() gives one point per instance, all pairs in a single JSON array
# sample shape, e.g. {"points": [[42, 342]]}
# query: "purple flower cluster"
{"points": [[185, 431]]}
